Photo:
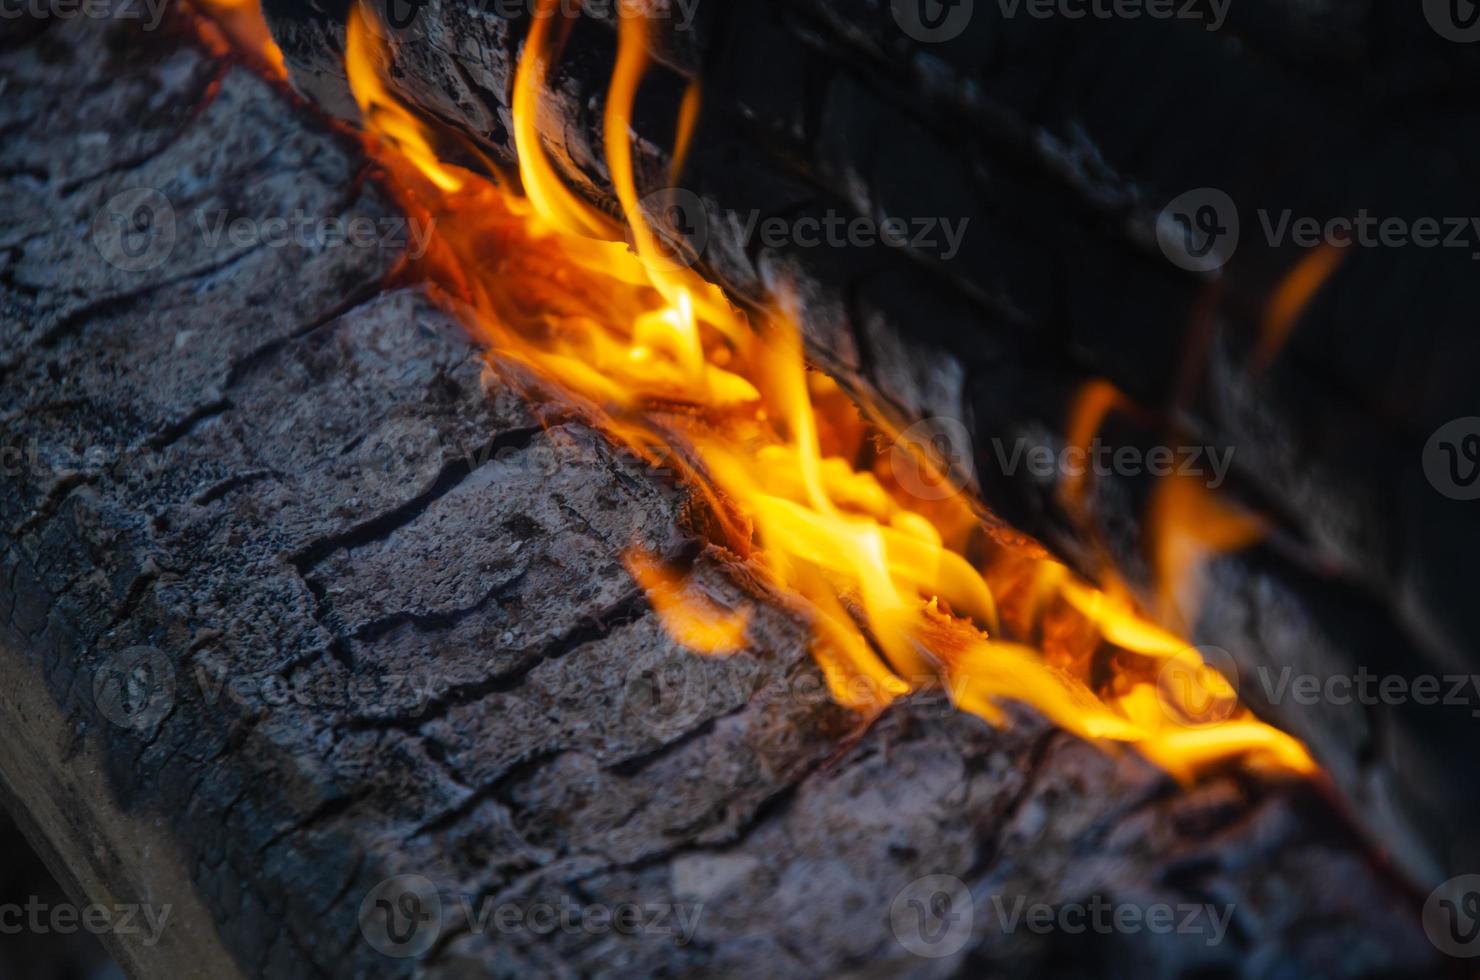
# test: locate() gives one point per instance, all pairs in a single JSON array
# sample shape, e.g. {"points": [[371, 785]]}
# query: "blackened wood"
{"points": [[1058, 142], [389, 598]]}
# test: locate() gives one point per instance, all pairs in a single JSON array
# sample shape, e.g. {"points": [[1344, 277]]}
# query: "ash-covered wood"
{"points": [[298, 597], [1054, 143]]}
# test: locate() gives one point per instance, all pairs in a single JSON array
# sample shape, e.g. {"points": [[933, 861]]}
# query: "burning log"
{"points": [[1291, 521], [320, 635]]}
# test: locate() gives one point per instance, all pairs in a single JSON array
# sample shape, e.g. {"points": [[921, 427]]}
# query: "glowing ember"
{"points": [[661, 361]]}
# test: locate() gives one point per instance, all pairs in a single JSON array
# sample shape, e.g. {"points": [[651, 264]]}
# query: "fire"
{"points": [[242, 22], [662, 362], [382, 114], [1187, 525], [1291, 299], [693, 618]]}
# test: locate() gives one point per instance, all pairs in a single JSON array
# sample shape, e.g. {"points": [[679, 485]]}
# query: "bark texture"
{"points": [[319, 602], [1058, 142]]}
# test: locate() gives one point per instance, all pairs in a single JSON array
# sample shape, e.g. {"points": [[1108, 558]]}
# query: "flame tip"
{"points": [[659, 359]]}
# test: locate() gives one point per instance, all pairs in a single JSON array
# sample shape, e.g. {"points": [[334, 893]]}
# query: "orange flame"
{"points": [[242, 22], [1188, 525], [691, 617], [383, 114], [1290, 300], [659, 358], [1093, 404]]}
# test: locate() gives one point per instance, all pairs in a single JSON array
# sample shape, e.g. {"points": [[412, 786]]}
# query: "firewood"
{"points": [[1058, 146], [301, 599]]}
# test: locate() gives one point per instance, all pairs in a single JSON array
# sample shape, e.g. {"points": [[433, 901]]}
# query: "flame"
{"points": [[693, 618], [660, 359], [1092, 405], [383, 114], [1188, 525], [242, 22], [1290, 300]]}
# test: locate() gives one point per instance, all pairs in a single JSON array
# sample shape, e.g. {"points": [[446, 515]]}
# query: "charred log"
{"points": [[1055, 144], [299, 598]]}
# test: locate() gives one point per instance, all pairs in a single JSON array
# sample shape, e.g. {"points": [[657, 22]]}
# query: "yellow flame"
{"points": [[693, 619], [1188, 526], [659, 358], [381, 113]]}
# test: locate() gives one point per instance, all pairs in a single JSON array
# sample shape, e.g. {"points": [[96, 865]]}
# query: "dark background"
{"points": [[48, 956]]}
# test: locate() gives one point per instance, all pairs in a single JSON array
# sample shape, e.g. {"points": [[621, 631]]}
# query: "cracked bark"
{"points": [[1058, 141], [547, 745]]}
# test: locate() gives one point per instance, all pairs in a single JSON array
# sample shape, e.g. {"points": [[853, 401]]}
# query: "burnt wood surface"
{"points": [[246, 470], [1059, 141]]}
